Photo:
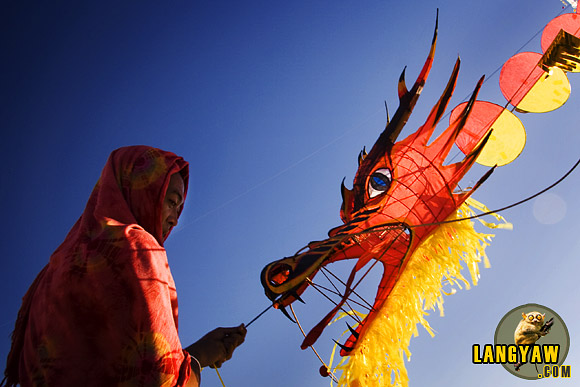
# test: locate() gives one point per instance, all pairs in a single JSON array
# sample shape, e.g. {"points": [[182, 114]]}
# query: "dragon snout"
{"points": [[284, 280]]}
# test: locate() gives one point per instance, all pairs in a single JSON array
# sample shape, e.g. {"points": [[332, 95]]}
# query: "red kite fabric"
{"points": [[103, 312], [407, 212], [396, 215]]}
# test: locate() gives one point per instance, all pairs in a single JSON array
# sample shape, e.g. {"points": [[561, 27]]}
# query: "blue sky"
{"points": [[271, 102]]}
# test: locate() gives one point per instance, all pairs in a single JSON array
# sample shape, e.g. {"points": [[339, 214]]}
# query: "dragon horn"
{"points": [[441, 146], [385, 142], [407, 101], [424, 133], [454, 172]]}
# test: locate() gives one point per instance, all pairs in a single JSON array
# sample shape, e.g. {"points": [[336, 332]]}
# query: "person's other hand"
{"points": [[217, 346]]}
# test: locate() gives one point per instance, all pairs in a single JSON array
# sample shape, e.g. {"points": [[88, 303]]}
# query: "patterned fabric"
{"points": [[103, 312]]}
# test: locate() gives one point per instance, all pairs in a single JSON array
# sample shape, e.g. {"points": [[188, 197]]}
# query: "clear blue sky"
{"points": [[271, 102]]}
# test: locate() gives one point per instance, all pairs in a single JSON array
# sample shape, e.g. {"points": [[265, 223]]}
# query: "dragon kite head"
{"points": [[401, 193]]}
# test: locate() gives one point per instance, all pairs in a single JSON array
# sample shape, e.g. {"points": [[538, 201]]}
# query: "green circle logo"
{"points": [[536, 342]]}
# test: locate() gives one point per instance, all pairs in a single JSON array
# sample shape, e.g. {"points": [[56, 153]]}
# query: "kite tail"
{"points": [[434, 270]]}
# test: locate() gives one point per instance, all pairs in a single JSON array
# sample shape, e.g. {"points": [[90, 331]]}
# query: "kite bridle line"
{"points": [[324, 269]]}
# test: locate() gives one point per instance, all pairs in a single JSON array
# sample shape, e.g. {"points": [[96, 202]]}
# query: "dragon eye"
{"points": [[379, 182]]}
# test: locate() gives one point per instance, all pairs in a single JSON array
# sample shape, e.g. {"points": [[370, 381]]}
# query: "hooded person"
{"points": [[103, 311]]}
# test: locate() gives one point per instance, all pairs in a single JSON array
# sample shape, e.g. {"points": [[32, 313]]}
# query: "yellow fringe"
{"points": [[434, 267]]}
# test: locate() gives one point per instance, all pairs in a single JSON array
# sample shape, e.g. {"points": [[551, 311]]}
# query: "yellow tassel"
{"points": [[434, 267]]}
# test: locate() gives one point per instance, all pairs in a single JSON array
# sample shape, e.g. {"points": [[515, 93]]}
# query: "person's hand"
{"points": [[217, 346]]}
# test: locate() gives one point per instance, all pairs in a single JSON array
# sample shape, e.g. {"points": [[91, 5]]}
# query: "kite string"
{"points": [[280, 173], [220, 377], [258, 316], [348, 131], [505, 108], [334, 379], [487, 78], [246, 325], [506, 207]]}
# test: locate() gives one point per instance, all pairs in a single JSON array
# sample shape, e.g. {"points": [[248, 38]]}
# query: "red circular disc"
{"points": [[529, 88], [518, 75], [483, 115], [569, 22]]}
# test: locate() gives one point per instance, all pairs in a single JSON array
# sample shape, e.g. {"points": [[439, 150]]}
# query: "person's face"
{"points": [[172, 203]]}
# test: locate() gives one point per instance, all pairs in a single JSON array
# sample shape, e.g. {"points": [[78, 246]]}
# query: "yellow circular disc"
{"points": [[506, 142], [549, 93]]}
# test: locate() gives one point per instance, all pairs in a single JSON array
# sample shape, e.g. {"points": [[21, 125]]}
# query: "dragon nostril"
{"points": [[279, 274]]}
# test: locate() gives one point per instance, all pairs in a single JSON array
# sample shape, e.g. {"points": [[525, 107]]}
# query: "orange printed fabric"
{"points": [[103, 312]]}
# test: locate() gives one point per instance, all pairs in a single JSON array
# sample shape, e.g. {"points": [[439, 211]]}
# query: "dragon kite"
{"points": [[404, 211]]}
